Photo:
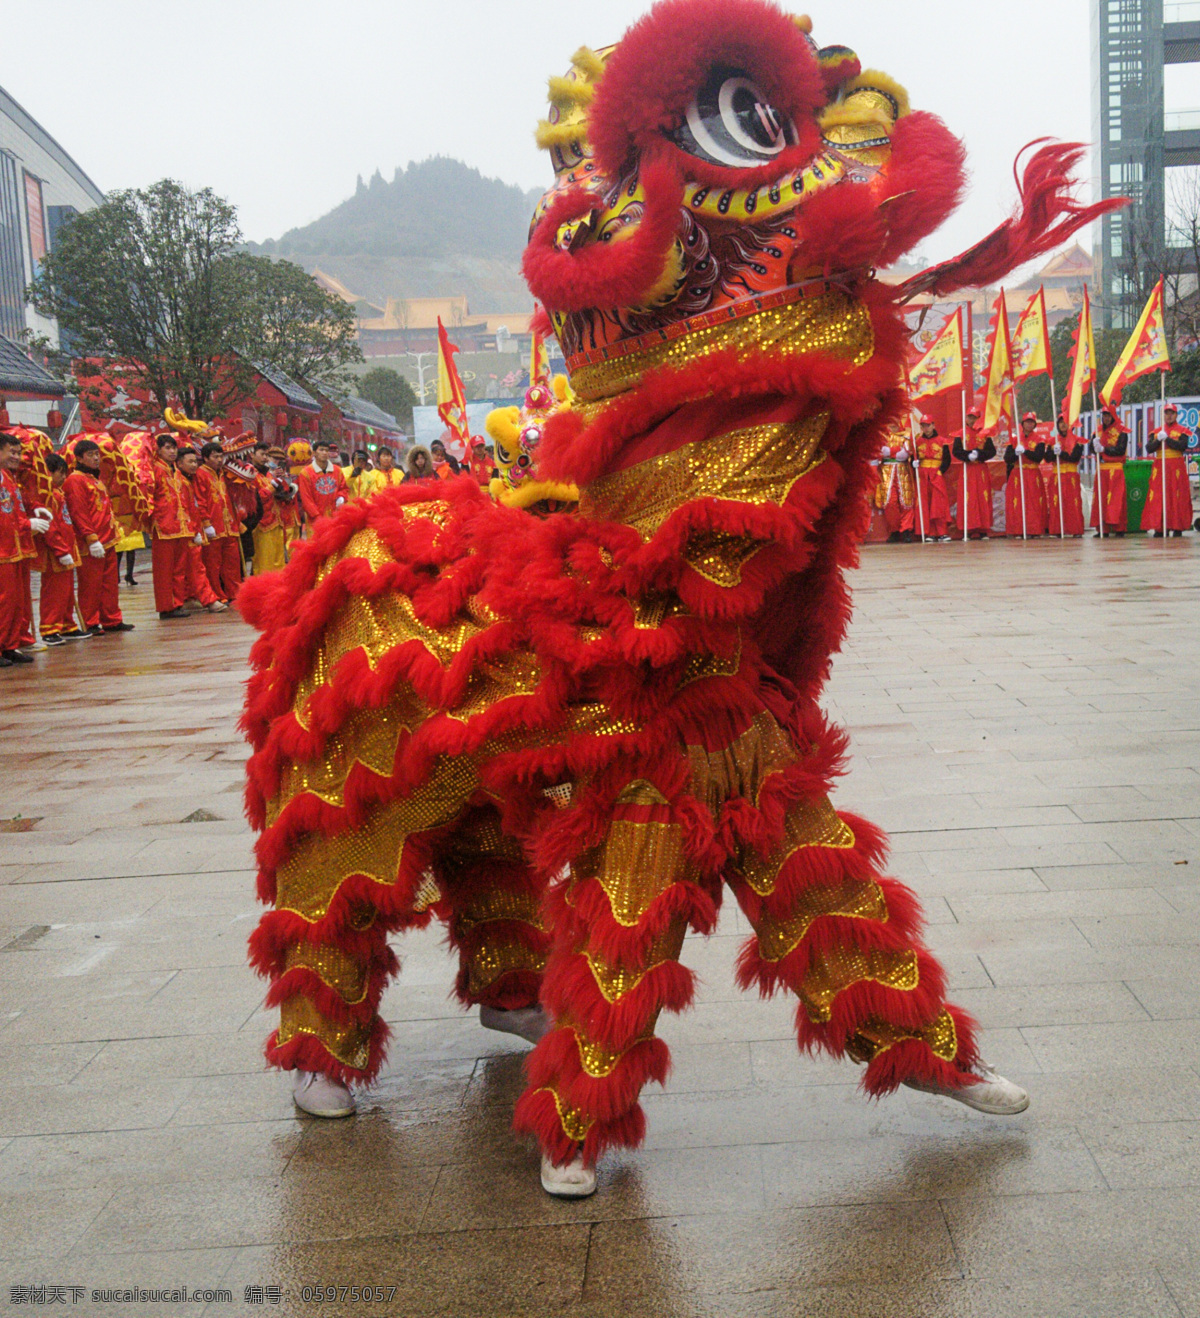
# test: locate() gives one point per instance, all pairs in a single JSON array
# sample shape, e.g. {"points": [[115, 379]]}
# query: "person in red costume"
{"points": [[191, 580], [929, 517], [1060, 471], [974, 451], [96, 532], [322, 484], [58, 557], [169, 533], [14, 533], [1169, 447], [1108, 498], [222, 551], [1024, 495]]}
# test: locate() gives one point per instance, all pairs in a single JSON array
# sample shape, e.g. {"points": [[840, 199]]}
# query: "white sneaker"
{"points": [[526, 1022], [993, 1094], [217, 606], [570, 1181], [321, 1096]]}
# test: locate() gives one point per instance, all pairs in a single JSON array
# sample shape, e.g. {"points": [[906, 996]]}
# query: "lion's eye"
{"points": [[731, 122]]}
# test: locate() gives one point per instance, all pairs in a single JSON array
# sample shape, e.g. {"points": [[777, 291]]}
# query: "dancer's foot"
{"points": [[217, 606], [573, 1180], [526, 1022], [992, 1093], [321, 1096]]}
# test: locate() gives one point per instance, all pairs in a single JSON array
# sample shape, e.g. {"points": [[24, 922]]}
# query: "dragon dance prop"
{"points": [[566, 735]]}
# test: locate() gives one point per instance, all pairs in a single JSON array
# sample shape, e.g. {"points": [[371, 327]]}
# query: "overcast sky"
{"points": [[280, 104]]}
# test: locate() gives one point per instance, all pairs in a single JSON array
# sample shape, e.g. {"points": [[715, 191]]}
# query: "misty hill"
{"points": [[438, 227]]}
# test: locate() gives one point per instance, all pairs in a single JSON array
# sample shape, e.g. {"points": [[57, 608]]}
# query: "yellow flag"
{"points": [[1031, 340], [1146, 350], [1083, 363], [998, 385], [940, 369]]}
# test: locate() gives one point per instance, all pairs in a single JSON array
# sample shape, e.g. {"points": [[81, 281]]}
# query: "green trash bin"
{"points": [[1137, 489]]}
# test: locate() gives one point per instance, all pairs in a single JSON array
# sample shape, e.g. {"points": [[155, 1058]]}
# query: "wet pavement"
{"points": [[1024, 721]]}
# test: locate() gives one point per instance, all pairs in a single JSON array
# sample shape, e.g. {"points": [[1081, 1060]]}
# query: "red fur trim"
{"points": [[555, 1064], [536, 1114], [305, 1052], [617, 273], [912, 1059], [570, 990], [1048, 215], [662, 60]]}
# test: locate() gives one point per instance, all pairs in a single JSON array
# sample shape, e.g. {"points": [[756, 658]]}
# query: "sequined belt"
{"points": [[811, 317]]}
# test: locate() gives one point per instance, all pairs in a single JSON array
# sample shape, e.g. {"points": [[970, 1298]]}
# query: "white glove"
{"points": [[65, 560], [337, 503], [973, 455], [44, 513], [885, 452], [1097, 446], [1057, 449], [210, 532], [39, 525], [197, 539], [1020, 450], [96, 549]]}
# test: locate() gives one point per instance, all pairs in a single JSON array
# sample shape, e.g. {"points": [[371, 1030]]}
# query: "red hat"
{"points": [[927, 420], [973, 408], [1029, 416], [1170, 407]]}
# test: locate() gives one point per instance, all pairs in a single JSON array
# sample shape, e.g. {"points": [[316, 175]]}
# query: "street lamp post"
{"points": [[419, 358]]}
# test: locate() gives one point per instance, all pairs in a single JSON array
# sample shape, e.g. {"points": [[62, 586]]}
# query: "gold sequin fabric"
{"points": [[350, 1044], [719, 557], [614, 981], [495, 956], [755, 465], [319, 864], [597, 1060], [813, 823], [637, 862], [832, 972], [499, 904], [741, 768], [575, 1123], [337, 969], [833, 322], [862, 900], [877, 1037]]}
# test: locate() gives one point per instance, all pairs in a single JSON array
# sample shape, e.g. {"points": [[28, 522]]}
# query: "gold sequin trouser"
{"points": [[827, 927], [492, 901], [845, 941], [455, 863], [619, 922]]}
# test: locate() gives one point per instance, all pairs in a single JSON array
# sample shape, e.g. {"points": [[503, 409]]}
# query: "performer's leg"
{"points": [[163, 561], [492, 900], [618, 926], [11, 605], [231, 566], [210, 556], [110, 591], [27, 602], [57, 603], [91, 584], [269, 549], [831, 929]]}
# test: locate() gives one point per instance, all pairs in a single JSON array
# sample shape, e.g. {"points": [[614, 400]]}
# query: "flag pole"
{"points": [[966, 507], [1018, 444], [1099, 467], [1062, 526], [916, 471], [1162, 375]]}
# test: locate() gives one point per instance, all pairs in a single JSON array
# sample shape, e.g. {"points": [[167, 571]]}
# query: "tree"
{"points": [[135, 283], [288, 320], [163, 312], [389, 390]]}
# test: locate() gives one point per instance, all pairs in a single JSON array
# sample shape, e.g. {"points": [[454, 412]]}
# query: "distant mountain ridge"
{"points": [[439, 227]]}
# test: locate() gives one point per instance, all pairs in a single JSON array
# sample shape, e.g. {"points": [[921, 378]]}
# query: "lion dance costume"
{"points": [[566, 735]]}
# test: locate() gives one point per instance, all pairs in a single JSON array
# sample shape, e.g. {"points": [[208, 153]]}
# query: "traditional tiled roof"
{"points": [[367, 414], [297, 396], [20, 375]]}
